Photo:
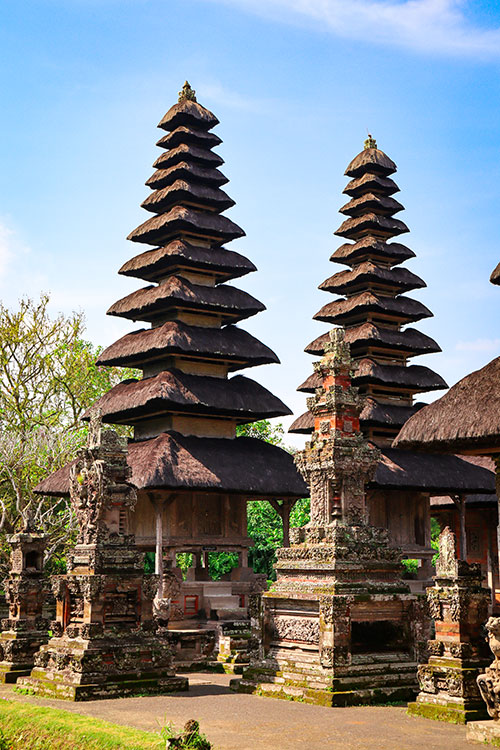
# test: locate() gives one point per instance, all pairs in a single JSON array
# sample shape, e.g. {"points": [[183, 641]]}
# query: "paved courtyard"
{"points": [[246, 722]]}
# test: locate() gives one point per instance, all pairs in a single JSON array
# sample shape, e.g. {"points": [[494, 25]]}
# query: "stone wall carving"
{"points": [[295, 628]]}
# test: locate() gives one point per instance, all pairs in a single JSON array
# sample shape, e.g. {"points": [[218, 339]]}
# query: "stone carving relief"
{"points": [[295, 628]]}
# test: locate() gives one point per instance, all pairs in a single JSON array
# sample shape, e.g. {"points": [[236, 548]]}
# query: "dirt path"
{"points": [[245, 722]]}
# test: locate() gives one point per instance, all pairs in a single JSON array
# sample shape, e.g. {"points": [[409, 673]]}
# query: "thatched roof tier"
{"points": [[372, 183], [372, 249], [192, 136], [407, 378], [379, 414], [175, 391], [190, 114], [153, 265], [176, 292], [379, 204], [495, 275], [245, 466], [374, 276], [373, 225], [201, 156], [374, 414], [182, 220], [414, 378], [357, 308], [464, 420], [182, 191], [373, 161], [409, 342], [399, 469], [185, 171], [229, 344], [303, 425]]}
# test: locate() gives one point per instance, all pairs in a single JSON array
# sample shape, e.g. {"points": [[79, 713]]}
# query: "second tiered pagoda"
{"points": [[374, 310]]}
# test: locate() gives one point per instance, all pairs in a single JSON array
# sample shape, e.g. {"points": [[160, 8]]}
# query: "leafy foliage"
{"points": [[48, 379]]}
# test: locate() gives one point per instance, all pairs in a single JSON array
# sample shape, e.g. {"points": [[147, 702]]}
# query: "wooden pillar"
{"points": [[159, 546], [284, 508], [459, 501]]}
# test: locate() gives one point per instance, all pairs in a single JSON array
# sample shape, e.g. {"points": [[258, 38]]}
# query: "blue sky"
{"points": [[295, 84]]}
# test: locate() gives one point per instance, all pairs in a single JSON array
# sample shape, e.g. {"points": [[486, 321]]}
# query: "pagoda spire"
{"points": [[372, 305], [192, 343]]}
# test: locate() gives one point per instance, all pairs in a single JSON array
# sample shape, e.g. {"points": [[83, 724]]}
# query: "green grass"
{"points": [[28, 727]]}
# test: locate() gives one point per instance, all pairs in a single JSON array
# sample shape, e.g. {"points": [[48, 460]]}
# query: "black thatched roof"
{"points": [[370, 182], [180, 191], [467, 418], [176, 391], [366, 336], [185, 171], [146, 304], [379, 204], [152, 265], [190, 114], [186, 152], [371, 224], [356, 308], [374, 414], [229, 344], [495, 275], [370, 160], [411, 378], [243, 466], [397, 280], [192, 136], [303, 425], [186, 220], [371, 248], [400, 469]]}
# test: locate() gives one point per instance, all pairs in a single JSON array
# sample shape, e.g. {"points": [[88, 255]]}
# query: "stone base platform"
{"points": [[487, 732], [10, 673], [124, 686], [369, 683], [450, 712]]}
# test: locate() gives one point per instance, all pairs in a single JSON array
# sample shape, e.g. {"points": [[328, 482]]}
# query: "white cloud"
{"points": [[429, 26]]}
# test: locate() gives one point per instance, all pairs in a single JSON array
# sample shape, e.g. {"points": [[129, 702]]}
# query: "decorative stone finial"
{"points": [[370, 142], [187, 93]]}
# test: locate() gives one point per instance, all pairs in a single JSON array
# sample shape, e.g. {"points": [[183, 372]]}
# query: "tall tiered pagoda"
{"points": [[193, 475], [375, 312]]}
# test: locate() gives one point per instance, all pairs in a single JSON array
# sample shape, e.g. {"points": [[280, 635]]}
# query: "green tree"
{"points": [[48, 379]]}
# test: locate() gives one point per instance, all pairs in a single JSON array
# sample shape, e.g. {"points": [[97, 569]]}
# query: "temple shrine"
{"points": [[193, 475], [104, 642], [339, 626], [26, 589], [459, 605], [375, 312]]}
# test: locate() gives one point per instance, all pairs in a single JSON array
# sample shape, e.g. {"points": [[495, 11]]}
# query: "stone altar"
{"points": [[459, 606], [26, 589], [104, 642], [339, 626]]}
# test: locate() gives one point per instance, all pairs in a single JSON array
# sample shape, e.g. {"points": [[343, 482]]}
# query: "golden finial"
{"points": [[187, 93], [370, 142]]}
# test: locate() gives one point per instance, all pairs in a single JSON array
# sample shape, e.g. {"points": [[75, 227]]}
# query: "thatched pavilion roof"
{"points": [[244, 466], [466, 419]]}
